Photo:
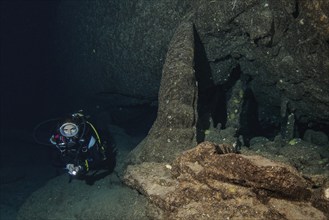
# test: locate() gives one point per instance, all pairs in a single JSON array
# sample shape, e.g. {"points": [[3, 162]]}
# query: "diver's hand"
{"points": [[73, 170]]}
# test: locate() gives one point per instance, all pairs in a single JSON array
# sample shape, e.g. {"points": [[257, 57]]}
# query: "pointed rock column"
{"points": [[175, 127]]}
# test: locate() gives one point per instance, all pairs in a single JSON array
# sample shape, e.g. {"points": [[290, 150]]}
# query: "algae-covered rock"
{"points": [[201, 183]]}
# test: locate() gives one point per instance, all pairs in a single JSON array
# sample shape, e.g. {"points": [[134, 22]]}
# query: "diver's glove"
{"points": [[73, 170]]}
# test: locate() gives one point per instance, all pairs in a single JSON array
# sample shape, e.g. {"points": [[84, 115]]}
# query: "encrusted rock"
{"points": [[151, 179], [251, 171], [204, 184]]}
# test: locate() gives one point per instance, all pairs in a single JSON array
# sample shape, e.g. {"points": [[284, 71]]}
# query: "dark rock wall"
{"points": [[279, 49]]}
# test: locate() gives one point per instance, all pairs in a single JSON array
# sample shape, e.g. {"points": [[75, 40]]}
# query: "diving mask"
{"points": [[69, 129]]}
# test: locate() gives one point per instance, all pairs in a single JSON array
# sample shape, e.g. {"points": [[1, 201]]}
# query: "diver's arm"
{"points": [[52, 140]]}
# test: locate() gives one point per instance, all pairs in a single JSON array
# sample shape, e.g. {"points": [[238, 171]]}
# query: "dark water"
{"points": [[31, 92], [28, 84]]}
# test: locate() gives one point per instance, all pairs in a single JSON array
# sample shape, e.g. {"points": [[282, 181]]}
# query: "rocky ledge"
{"points": [[202, 183]]}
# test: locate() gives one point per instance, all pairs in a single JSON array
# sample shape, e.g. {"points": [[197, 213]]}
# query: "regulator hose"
{"points": [[38, 126]]}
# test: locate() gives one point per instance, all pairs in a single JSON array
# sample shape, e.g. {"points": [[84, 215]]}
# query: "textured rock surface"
{"points": [[175, 127], [252, 171], [280, 47], [272, 43], [204, 184]]}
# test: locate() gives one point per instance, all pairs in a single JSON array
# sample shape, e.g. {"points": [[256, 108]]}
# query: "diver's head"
{"points": [[70, 125], [69, 129]]}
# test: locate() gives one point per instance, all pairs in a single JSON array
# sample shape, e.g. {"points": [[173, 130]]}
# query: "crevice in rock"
{"points": [[296, 12], [250, 126], [219, 111], [207, 90]]}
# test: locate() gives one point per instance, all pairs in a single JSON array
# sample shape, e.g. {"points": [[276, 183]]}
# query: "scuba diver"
{"points": [[80, 146]]}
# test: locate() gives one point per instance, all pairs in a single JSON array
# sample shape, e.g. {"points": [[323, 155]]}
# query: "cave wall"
{"points": [[280, 49], [116, 46]]}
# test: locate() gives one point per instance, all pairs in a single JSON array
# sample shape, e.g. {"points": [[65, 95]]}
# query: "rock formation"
{"points": [[278, 49], [202, 183], [175, 127]]}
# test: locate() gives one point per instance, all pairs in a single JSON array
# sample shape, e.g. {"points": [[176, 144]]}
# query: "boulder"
{"points": [[251, 171], [201, 183]]}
